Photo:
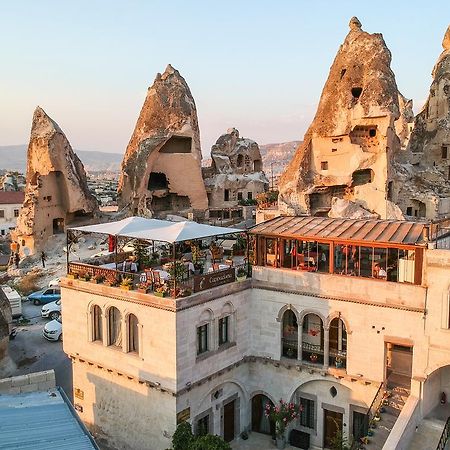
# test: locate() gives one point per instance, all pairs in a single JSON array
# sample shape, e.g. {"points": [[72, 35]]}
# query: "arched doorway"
{"points": [[338, 344], [312, 339], [261, 423], [289, 335]]}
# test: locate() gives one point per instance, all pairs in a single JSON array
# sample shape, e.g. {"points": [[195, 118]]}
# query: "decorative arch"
{"points": [[312, 337], [206, 316], [257, 406], [336, 315], [133, 333], [114, 326], [227, 308], [305, 312], [284, 309]]}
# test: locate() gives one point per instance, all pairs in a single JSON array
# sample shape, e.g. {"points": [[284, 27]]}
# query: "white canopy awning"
{"points": [[157, 230]]}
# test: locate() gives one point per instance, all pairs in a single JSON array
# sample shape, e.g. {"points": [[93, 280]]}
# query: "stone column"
{"points": [[124, 335], [326, 347], [105, 336]]}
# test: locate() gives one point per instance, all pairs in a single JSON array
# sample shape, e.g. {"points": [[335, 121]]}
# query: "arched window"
{"points": [[338, 343], [312, 339], [133, 333], [114, 327], [97, 326], [289, 338], [240, 161]]}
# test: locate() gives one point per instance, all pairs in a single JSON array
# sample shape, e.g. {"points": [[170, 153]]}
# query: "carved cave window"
{"points": [[356, 92], [324, 165], [157, 180]]}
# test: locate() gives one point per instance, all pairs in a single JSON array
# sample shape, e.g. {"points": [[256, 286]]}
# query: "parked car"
{"points": [[44, 296], [55, 282], [53, 330], [51, 310]]}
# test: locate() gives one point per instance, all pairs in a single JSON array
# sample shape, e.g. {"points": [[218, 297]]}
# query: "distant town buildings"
{"points": [[10, 206]]}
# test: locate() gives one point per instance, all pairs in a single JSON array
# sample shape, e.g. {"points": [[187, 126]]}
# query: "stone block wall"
{"points": [[37, 381]]}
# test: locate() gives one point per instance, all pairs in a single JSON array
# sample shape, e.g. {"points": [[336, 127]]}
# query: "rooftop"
{"points": [[354, 230], [11, 197], [41, 420]]}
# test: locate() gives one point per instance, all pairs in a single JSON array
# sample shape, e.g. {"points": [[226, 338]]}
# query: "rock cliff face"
{"points": [[161, 169], [56, 192], [424, 186], [236, 171], [347, 151]]}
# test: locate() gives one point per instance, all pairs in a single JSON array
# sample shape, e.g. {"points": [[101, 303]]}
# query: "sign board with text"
{"points": [[210, 280]]}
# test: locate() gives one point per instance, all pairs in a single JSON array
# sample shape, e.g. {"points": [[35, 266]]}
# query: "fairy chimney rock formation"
{"points": [[236, 172], [161, 169], [424, 188], [56, 192], [346, 151]]}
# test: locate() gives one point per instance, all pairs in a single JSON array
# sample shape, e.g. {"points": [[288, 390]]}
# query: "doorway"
{"points": [[332, 425], [261, 423], [58, 225], [228, 421], [399, 364]]}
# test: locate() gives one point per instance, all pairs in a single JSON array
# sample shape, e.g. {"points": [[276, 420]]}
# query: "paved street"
{"points": [[32, 352]]}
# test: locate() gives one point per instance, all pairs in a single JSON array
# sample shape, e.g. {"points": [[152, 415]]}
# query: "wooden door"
{"points": [[228, 421], [332, 424]]}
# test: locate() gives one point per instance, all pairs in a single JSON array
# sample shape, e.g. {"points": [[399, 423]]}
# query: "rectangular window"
{"points": [[444, 152], [334, 150], [239, 195], [203, 426], [324, 165], [16, 213], [249, 195], [360, 425], [409, 211], [226, 195], [2, 213], [307, 413], [223, 330], [202, 339]]}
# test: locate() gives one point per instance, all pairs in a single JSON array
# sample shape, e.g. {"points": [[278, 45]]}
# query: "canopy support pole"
{"points": [[174, 255], [115, 249], [248, 254], [67, 250]]}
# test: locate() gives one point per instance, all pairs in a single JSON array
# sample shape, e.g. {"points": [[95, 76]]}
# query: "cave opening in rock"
{"points": [[177, 144], [356, 92], [372, 132], [363, 176], [257, 165], [58, 225], [240, 160], [170, 202], [157, 180]]}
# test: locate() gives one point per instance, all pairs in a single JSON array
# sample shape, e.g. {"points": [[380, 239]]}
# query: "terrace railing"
{"points": [[445, 437]]}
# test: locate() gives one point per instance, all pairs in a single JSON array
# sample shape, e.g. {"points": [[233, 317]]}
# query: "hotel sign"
{"points": [[184, 415], [210, 280]]}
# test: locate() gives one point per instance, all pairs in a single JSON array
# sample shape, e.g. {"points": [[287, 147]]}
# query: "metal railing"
{"points": [[370, 414], [445, 436]]}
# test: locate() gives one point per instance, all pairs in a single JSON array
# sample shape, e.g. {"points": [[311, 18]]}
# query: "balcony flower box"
{"points": [[72, 276], [241, 274]]}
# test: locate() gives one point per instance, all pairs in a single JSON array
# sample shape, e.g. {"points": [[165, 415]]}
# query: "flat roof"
{"points": [[392, 232], [41, 421]]}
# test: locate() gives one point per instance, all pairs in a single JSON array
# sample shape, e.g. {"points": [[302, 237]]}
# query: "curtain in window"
{"points": [[97, 323], [133, 334], [115, 327]]}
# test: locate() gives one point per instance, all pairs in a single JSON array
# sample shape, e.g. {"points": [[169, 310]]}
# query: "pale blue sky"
{"points": [[256, 65]]}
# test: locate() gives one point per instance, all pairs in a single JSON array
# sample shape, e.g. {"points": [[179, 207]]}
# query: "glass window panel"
{"points": [[365, 261], [379, 269], [392, 264], [323, 258]]}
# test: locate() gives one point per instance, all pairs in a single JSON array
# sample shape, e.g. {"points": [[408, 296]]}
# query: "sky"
{"points": [[255, 65]]}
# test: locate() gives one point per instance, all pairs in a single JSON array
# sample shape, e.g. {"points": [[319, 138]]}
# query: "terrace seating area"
{"points": [[163, 258]]}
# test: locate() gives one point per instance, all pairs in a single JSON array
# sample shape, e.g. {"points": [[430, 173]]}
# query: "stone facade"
{"points": [[56, 193], [219, 388], [161, 169], [236, 171]]}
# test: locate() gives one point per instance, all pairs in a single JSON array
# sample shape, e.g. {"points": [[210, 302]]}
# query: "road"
{"points": [[32, 352]]}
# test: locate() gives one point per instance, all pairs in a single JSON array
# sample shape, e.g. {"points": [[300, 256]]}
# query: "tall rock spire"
{"points": [[56, 190], [347, 149], [161, 169]]}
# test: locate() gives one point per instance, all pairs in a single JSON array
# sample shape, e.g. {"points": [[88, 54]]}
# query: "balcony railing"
{"points": [[157, 281], [445, 436]]}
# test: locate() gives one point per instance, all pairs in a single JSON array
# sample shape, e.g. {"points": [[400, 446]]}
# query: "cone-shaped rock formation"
{"points": [[56, 192], [161, 169], [347, 150]]}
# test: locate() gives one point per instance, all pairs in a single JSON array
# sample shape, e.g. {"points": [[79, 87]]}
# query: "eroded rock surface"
{"points": [[423, 188], [347, 151], [56, 192], [236, 172], [161, 169]]}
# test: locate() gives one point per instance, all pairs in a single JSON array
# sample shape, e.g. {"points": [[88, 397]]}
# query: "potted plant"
{"points": [[143, 287], [73, 275], [84, 275], [126, 284], [281, 415], [98, 278], [186, 292], [161, 291], [339, 362], [241, 274], [177, 270], [111, 280], [313, 357]]}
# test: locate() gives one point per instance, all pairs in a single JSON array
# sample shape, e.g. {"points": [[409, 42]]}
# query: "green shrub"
{"points": [[209, 442], [182, 438]]}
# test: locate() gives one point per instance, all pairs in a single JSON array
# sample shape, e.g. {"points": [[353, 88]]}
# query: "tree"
{"points": [[182, 438]]}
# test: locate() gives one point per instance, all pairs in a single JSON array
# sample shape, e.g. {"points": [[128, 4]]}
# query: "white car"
{"points": [[54, 283], [53, 330], [51, 310]]}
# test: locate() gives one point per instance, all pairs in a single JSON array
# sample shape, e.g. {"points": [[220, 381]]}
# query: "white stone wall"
{"points": [[8, 220], [32, 382]]}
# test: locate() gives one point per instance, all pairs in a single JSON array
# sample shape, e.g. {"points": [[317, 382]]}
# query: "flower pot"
{"points": [[241, 277], [160, 294], [143, 291], [281, 442], [73, 276], [126, 288]]}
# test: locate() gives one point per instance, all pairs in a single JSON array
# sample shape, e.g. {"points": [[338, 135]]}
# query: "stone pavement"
{"points": [[256, 441]]}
